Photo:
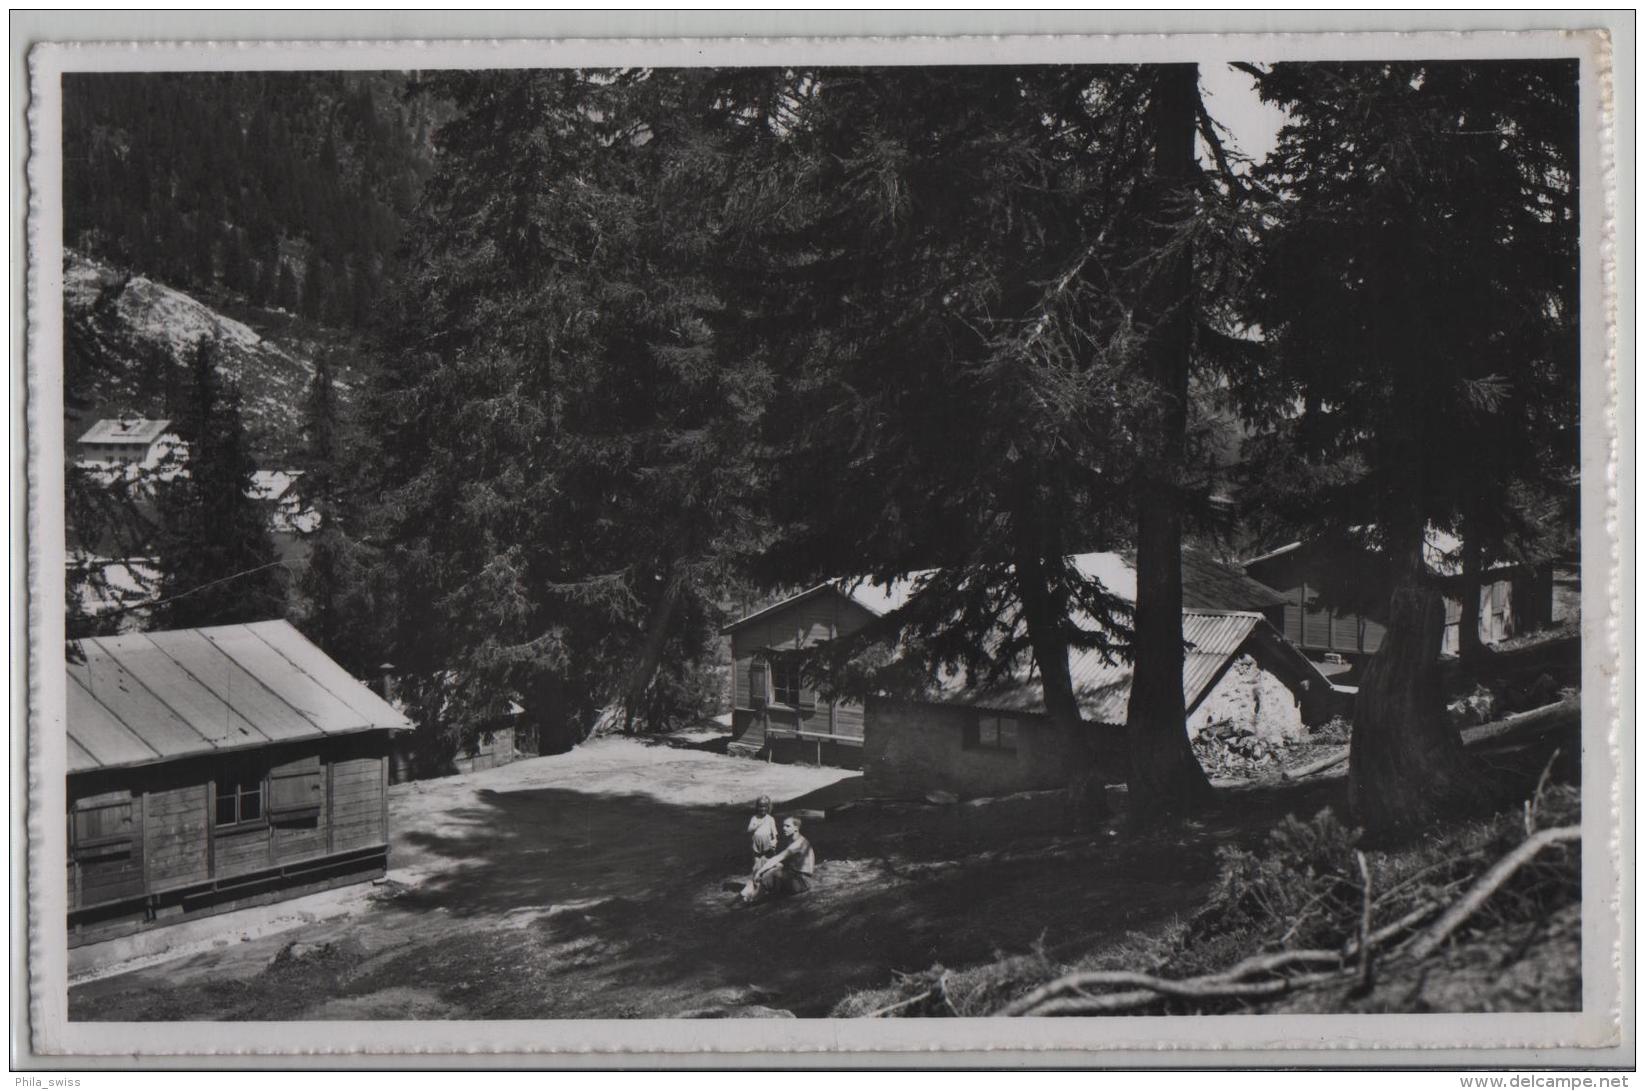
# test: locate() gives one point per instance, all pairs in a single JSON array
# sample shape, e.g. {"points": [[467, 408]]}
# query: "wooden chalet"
{"points": [[214, 768], [777, 716], [1512, 598], [774, 713]]}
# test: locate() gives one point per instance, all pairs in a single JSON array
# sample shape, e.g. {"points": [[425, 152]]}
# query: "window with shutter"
{"points": [[102, 827], [295, 791], [758, 684]]}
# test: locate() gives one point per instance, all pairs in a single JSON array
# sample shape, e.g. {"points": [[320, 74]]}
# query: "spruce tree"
{"points": [[1165, 777], [563, 460], [286, 295], [333, 610], [1418, 291], [946, 292], [216, 561]]}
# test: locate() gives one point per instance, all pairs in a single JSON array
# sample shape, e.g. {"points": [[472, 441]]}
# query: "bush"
{"points": [[1290, 893]]}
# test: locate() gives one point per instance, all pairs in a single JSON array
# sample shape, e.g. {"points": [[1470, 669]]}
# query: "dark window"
{"points": [[992, 731], [239, 799], [785, 684]]}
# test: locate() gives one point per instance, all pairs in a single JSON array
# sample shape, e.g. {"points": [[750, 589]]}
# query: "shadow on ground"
{"points": [[567, 900]]}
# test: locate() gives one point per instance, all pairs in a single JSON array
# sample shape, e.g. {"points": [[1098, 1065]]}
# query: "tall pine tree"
{"points": [[562, 456], [946, 288], [1418, 291], [334, 608], [216, 561]]}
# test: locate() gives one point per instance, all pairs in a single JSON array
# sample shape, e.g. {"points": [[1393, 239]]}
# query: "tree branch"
{"points": [[1488, 884]]}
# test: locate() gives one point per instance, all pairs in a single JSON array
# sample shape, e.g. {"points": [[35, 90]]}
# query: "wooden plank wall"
{"points": [[176, 832], [357, 797], [176, 844], [297, 839], [819, 618], [109, 872]]}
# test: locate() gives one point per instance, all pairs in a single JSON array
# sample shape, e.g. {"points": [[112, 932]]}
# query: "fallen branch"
{"points": [[899, 1005], [1389, 931], [1487, 885], [1418, 875], [1365, 944], [1114, 1002], [1522, 726], [1533, 804], [1231, 983], [1315, 766], [1233, 975]]}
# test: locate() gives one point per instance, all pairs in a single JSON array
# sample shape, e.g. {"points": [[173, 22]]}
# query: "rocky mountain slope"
{"points": [[128, 340]]}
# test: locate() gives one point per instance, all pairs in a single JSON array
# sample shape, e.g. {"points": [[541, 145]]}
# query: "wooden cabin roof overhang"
{"points": [[144, 698]]}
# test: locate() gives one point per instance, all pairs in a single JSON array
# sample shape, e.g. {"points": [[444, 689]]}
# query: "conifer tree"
{"points": [[216, 561], [314, 290], [563, 461], [947, 287], [1418, 291], [286, 295], [1165, 777], [335, 610]]}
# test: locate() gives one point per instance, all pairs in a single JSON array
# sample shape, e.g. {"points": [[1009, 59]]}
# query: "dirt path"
{"points": [[590, 884]]}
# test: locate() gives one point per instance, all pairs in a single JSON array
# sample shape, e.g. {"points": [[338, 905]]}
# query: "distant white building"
{"points": [[128, 440]]}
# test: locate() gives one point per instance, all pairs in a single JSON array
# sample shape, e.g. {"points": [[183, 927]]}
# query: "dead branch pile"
{"points": [[1429, 907], [1305, 912]]}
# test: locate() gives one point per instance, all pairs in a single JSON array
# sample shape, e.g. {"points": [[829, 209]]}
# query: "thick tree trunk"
{"points": [[651, 650], [1406, 764], [1469, 647], [1045, 634], [1166, 781]]}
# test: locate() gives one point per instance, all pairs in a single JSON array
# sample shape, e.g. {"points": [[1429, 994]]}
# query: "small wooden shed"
{"points": [[214, 768]]}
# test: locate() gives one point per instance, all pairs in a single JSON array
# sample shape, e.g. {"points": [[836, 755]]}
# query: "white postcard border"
{"points": [[1607, 683]]}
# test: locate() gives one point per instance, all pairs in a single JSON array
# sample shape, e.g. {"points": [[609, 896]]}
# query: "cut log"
{"points": [[1523, 726], [1316, 766]]}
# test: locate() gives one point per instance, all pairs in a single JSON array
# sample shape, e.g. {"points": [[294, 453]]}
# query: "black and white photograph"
{"points": [[1044, 541]]}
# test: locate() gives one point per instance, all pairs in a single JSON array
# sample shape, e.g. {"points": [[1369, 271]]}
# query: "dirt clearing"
{"points": [[589, 884]]}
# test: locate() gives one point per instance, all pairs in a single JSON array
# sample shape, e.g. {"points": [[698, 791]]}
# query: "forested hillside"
{"points": [[283, 189]]}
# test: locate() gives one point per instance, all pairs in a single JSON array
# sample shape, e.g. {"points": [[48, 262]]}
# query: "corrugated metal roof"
{"points": [[1103, 689], [1207, 584], [1441, 552], [141, 698], [125, 431], [877, 599]]}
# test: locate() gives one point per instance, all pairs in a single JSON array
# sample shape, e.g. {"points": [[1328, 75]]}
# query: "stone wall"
{"points": [[1251, 699]]}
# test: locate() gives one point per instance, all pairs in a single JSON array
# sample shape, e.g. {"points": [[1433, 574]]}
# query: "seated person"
{"points": [[787, 871]]}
